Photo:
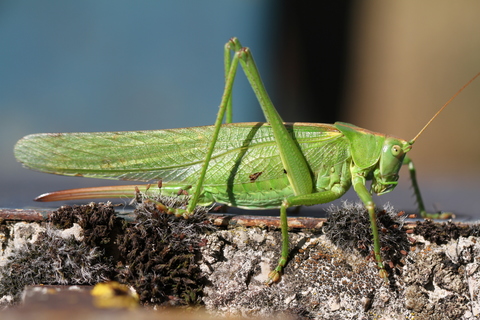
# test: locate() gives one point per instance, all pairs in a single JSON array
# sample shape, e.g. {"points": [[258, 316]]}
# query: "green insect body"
{"points": [[146, 156], [246, 165]]}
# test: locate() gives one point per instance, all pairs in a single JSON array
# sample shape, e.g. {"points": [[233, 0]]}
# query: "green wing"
{"points": [[244, 151]]}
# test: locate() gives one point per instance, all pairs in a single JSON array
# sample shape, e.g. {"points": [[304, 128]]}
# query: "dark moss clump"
{"points": [[156, 255], [441, 233], [52, 259], [348, 227], [4, 234], [159, 253], [66, 216], [98, 220]]}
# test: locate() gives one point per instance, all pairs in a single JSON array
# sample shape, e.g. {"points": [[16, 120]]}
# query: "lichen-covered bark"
{"points": [[323, 282], [435, 276]]}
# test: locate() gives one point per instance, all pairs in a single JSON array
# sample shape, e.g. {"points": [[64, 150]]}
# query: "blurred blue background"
{"points": [[102, 66]]}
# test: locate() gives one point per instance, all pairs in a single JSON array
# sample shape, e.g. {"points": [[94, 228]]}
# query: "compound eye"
{"points": [[396, 150]]}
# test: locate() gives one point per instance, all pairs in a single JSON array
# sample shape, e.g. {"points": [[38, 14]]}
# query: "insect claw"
{"points": [[161, 207], [439, 215], [273, 277], [446, 215], [384, 274]]}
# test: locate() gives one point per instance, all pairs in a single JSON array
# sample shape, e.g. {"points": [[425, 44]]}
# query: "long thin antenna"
{"points": [[441, 109]]}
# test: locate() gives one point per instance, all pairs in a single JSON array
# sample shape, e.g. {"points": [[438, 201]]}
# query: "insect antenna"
{"points": [[441, 109]]}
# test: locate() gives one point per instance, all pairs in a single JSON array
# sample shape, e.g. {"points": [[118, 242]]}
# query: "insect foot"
{"points": [[273, 277], [175, 211], [439, 215], [384, 274], [167, 204]]}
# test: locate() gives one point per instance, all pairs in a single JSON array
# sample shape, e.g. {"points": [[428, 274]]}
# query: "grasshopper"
{"points": [[247, 165]]}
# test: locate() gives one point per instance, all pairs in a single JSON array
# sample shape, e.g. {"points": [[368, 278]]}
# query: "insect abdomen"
{"points": [[267, 194]]}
